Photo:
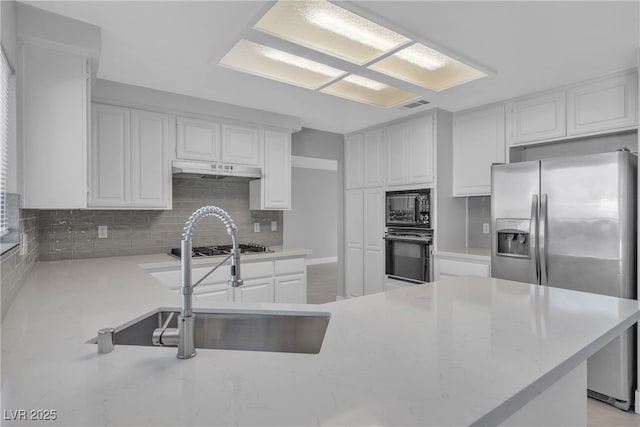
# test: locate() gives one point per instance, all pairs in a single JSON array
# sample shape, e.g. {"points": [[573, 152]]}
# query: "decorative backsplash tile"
{"points": [[74, 234], [14, 265]]}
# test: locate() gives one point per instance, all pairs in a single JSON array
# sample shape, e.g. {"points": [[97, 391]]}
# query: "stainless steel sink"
{"points": [[254, 330]]}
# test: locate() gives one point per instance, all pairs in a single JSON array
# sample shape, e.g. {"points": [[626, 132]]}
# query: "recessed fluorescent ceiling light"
{"points": [[426, 67], [326, 27], [264, 61], [362, 89]]}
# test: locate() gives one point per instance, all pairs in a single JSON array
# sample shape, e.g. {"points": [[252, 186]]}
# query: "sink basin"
{"points": [[253, 330]]}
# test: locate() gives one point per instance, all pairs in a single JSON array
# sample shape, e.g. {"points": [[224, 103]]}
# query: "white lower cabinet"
{"points": [[212, 294], [291, 281], [281, 280], [450, 266], [291, 289], [255, 290]]}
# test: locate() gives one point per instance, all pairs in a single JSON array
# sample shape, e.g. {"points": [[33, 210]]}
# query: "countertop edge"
{"points": [[512, 404]]}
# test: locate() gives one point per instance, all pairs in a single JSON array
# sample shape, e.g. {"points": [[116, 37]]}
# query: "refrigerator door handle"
{"points": [[533, 249], [542, 240]]}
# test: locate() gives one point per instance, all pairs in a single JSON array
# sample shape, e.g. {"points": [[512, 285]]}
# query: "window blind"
{"points": [[5, 91]]}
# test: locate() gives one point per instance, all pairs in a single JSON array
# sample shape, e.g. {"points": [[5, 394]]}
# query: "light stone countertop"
{"points": [[476, 254], [458, 352]]}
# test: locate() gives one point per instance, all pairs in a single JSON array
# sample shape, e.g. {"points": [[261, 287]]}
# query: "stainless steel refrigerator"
{"points": [[571, 223]]}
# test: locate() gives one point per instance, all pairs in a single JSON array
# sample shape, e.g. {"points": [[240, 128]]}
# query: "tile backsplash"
{"points": [[15, 265], [479, 213], [65, 234]]}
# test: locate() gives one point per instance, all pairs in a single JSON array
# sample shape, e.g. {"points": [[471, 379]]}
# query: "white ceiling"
{"points": [[532, 46]]}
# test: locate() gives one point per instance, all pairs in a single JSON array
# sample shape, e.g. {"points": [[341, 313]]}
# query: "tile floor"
{"points": [[602, 415], [321, 288]]}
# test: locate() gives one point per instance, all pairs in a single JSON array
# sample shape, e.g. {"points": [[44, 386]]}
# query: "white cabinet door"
{"points": [[603, 104], [373, 221], [372, 175], [291, 289], [396, 147], [478, 141], [255, 290], [353, 160], [447, 267], [130, 166], [240, 145], [354, 218], [210, 295], [538, 118], [54, 109], [197, 140], [273, 191], [420, 156], [354, 243], [110, 156], [150, 172]]}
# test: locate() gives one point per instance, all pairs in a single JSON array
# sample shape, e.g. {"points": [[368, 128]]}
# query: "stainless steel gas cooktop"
{"points": [[205, 251]]}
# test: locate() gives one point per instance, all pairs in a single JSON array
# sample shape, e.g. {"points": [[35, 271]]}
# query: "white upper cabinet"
{"points": [[420, 150], [240, 145], [353, 160], [396, 148], [55, 128], [197, 140], [273, 191], [150, 164], [609, 102], [110, 156], [363, 154], [478, 141], [410, 151], [538, 118], [372, 172], [603, 105], [130, 165]]}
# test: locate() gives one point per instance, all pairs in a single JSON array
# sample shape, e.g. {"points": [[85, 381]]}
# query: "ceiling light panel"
{"points": [[426, 67], [264, 61], [362, 89], [323, 26]]}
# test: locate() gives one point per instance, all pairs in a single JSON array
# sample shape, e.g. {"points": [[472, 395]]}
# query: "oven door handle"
{"points": [[408, 239]]}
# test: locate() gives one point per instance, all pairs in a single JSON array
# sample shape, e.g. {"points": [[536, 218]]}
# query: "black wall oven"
{"points": [[409, 236], [408, 254]]}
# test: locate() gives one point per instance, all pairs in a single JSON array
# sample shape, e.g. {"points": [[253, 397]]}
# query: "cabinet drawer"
{"points": [[256, 269], [290, 266], [450, 267]]}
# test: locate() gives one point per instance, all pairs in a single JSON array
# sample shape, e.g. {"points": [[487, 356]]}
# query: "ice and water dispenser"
{"points": [[513, 237]]}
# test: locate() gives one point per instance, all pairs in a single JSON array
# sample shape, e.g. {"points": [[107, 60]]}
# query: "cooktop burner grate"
{"points": [[205, 251]]}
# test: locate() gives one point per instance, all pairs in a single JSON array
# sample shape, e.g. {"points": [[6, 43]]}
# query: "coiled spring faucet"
{"points": [[184, 334]]}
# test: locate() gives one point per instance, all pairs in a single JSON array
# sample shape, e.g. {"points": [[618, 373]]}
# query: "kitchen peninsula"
{"points": [[465, 351]]}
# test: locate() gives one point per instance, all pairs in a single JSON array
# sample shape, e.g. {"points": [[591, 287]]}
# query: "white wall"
{"points": [[312, 222], [311, 143]]}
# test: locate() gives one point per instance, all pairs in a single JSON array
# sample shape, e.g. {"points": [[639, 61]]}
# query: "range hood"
{"points": [[214, 170]]}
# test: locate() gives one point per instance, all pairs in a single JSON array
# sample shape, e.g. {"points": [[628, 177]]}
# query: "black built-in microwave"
{"points": [[410, 208]]}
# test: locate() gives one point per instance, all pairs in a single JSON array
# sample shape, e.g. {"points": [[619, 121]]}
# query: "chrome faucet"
{"points": [[184, 334]]}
